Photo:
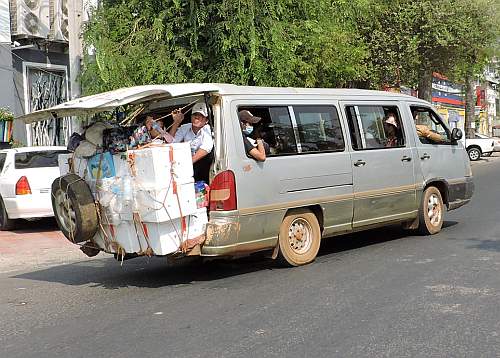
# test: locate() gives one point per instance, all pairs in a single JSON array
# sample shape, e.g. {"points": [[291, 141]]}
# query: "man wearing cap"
{"points": [[257, 148], [199, 136]]}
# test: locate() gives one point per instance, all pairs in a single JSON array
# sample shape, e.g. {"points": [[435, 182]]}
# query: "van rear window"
{"points": [[38, 159]]}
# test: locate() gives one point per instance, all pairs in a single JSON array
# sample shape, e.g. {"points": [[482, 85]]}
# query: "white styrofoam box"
{"points": [[162, 204], [166, 237], [63, 161], [197, 223], [153, 167], [126, 234]]}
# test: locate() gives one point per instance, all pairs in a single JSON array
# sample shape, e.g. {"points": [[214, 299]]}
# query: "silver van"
{"points": [[339, 160]]}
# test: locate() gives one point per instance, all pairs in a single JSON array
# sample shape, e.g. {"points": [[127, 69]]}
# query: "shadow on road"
{"points": [[35, 226], [487, 245], [157, 272]]}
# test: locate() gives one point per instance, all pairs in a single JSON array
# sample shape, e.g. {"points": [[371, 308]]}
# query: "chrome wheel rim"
{"points": [[434, 210], [300, 236], [474, 154], [64, 211]]}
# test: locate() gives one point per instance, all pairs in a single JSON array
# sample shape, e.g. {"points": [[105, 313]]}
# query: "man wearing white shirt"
{"points": [[199, 135]]}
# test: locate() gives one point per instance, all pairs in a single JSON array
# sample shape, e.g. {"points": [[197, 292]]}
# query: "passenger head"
{"points": [[247, 120], [391, 124], [199, 116]]}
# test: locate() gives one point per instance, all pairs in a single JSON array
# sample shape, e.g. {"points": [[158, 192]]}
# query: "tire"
{"points": [[74, 208], [474, 153], [299, 238], [5, 223], [431, 213]]}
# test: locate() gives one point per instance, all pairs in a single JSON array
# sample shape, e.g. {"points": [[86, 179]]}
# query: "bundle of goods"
{"points": [[148, 201]]}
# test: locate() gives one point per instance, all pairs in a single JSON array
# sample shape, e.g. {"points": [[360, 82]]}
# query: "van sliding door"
{"points": [[382, 162]]}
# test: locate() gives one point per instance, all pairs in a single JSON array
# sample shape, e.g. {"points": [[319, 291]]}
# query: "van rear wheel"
{"points": [[431, 213], [299, 238]]}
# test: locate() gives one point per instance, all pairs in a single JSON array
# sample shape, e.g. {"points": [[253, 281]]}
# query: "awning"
{"points": [[109, 100]]}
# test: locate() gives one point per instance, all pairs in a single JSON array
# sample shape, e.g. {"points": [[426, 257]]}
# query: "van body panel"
{"points": [[267, 190], [447, 163]]}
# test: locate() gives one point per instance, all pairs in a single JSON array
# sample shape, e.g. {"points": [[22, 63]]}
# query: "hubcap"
{"points": [[300, 235], [474, 154], [64, 211], [434, 210]]}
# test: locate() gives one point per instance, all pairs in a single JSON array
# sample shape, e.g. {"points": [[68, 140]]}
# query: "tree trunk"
{"points": [[469, 105], [425, 85]]}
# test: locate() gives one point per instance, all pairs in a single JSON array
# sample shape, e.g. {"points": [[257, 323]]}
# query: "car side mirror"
{"points": [[456, 134]]}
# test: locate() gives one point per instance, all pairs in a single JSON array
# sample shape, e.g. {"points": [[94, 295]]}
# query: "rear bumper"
{"points": [[460, 193], [29, 206]]}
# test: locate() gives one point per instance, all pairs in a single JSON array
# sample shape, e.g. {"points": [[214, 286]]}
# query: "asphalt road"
{"points": [[380, 293]]}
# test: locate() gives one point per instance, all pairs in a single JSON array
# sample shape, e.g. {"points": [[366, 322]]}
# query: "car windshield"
{"points": [[38, 159]]}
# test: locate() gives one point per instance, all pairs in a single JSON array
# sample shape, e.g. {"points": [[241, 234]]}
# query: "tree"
{"points": [[269, 42]]}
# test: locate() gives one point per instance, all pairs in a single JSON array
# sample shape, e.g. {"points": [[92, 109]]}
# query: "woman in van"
{"points": [[255, 148]]}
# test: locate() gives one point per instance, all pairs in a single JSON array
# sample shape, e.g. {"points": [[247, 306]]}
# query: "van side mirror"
{"points": [[456, 134]]}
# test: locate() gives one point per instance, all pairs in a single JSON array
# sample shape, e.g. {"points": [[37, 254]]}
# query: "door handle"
{"points": [[425, 156], [359, 163], [406, 159]]}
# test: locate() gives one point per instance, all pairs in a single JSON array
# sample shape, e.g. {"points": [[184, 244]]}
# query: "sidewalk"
{"points": [[34, 245]]}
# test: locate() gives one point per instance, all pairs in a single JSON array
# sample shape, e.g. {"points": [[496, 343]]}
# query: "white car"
{"points": [[496, 147], [477, 147], [26, 176]]}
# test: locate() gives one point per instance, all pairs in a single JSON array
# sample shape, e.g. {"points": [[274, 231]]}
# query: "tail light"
{"points": [[23, 186], [223, 192]]}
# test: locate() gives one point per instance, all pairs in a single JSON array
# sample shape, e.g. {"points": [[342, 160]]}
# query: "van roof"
{"points": [[131, 95]]}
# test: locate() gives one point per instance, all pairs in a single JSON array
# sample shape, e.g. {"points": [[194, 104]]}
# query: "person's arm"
{"points": [[200, 153], [178, 117], [259, 152]]}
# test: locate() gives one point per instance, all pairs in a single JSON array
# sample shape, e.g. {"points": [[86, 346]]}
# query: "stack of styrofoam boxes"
{"points": [[164, 197]]}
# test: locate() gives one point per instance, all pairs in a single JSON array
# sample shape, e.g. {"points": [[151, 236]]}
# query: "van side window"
{"points": [[318, 128], [430, 128], [275, 128], [375, 127]]}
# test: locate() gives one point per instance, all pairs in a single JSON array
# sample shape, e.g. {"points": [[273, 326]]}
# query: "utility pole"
{"points": [[75, 10]]}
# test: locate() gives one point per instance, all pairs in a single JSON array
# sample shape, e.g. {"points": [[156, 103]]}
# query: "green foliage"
{"points": [[315, 43], [269, 43], [6, 114]]}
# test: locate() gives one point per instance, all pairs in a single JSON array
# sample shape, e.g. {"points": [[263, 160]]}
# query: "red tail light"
{"points": [[23, 186], [223, 192]]}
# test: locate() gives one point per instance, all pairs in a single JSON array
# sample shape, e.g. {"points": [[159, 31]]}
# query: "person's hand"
{"points": [[177, 116]]}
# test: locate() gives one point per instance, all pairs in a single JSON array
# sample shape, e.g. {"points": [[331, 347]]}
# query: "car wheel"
{"points": [[74, 208], [299, 238], [474, 153], [431, 213], [5, 222]]}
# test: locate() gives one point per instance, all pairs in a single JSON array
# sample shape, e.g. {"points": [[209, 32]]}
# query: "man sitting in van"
{"points": [[199, 135], [423, 131], [254, 147]]}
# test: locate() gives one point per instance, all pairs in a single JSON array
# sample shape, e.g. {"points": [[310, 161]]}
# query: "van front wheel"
{"points": [[431, 213], [299, 238]]}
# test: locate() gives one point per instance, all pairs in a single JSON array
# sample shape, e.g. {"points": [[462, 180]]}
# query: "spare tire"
{"points": [[74, 208]]}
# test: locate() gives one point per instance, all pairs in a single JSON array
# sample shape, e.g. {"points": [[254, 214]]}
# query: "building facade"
{"points": [[35, 59]]}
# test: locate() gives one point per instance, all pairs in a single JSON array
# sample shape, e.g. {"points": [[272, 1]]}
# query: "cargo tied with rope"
{"points": [[144, 200]]}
